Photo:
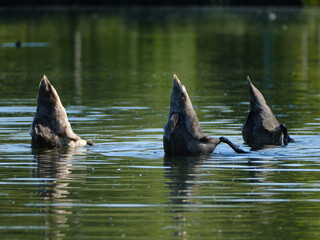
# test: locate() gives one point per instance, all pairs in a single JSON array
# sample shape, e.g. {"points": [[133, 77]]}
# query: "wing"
{"points": [[170, 125], [248, 128]]}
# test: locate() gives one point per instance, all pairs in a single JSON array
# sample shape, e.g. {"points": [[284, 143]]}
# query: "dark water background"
{"points": [[113, 71]]}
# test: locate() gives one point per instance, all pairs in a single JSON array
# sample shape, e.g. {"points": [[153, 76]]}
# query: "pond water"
{"points": [[113, 69]]}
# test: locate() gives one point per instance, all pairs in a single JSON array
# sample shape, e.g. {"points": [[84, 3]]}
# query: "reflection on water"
{"points": [[182, 173], [19, 44], [53, 167], [77, 66], [54, 170], [113, 70]]}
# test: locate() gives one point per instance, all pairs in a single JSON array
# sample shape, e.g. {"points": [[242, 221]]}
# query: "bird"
{"points": [[18, 43], [50, 127], [182, 133], [261, 126]]}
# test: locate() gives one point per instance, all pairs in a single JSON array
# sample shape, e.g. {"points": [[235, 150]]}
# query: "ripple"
{"points": [[24, 227], [17, 109], [128, 108], [293, 189]]}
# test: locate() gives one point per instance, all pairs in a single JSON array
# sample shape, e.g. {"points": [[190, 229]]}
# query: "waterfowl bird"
{"points": [[18, 43], [182, 133], [261, 127], [50, 127]]}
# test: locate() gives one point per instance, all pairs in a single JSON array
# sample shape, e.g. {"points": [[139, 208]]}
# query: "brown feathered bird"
{"points": [[261, 127], [50, 127], [182, 133]]}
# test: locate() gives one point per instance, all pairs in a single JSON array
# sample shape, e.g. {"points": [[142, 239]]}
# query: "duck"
{"points": [[261, 126], [18, 43], [183, 134], [50, 127]]}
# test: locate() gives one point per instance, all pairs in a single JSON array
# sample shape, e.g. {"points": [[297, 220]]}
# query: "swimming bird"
{"points": [[261, 127], [50, 127], [182, 133], [18, 43]]}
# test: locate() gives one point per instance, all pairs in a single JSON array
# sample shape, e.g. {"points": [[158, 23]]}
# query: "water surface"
{"points": [[113, 71]]}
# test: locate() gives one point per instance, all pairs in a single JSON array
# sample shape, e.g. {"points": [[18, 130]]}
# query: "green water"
{"points": [[113, 69]]}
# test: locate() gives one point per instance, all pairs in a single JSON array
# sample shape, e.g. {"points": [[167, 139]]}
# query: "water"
{"points": [[113, 71]]}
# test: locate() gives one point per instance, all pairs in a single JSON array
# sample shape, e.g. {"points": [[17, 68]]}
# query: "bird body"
{"points": [[261, 126], [50, 127]]}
